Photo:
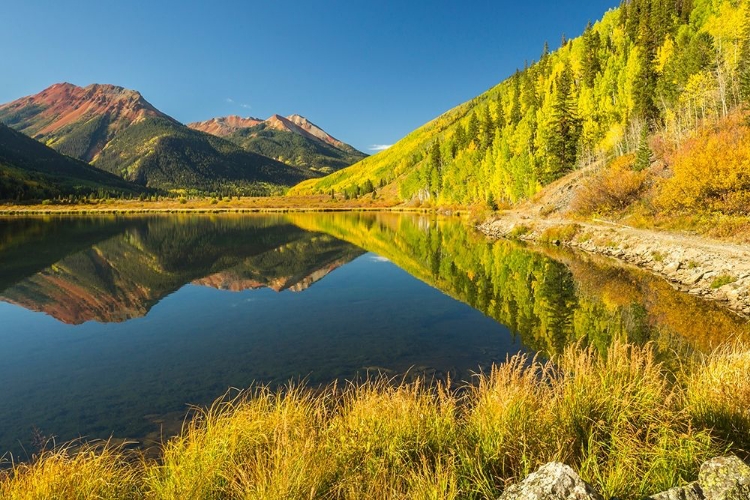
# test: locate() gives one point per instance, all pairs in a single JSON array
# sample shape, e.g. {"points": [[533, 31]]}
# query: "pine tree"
{"points": [[487, 129], [566, 127], [472, 131], [515, 109], [460, 137], [590, 63], [434, 179], [643, 155], [500, 122]]}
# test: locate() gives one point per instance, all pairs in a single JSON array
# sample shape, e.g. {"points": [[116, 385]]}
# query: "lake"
{"points": [[113, 325]]}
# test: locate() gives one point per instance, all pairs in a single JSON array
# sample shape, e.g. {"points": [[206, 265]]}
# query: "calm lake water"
{"points": [[111, 326]]}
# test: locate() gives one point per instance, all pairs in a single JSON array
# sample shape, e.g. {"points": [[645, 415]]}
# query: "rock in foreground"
{"points": [[553, 481]]}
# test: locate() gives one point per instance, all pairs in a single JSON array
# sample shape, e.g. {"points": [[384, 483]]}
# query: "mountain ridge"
{"points": [[291, 139], [119, 131]]}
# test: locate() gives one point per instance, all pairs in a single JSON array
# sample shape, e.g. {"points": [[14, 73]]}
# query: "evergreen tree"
{"points": [[644, 88], [434, 179], [460, 137], [590, 65], [500, 123], [515, 109], [472, 131], [566, 128], [643, 155], [487, 129]]}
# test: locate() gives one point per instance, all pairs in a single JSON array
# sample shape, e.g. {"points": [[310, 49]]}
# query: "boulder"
{"points": [[690, 492], [725, 478], [553, 481]]}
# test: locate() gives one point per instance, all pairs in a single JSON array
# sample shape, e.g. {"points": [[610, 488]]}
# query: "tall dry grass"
{"points": [[626, 424]]}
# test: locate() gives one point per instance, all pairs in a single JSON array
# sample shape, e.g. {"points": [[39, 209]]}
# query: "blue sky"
{"points": [[367, 72]]}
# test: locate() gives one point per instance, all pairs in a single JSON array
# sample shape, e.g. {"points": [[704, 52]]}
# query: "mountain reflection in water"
{"points": [[109, 324]]}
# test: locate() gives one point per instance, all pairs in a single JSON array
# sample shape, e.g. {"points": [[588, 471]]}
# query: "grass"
{"points": [[519, 231], [564, 233], [625, 423], [202, 204], [722, 280]]}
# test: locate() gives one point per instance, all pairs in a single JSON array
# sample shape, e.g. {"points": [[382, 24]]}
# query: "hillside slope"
{"points": [[117, 130], [293, 140], [31, 170], [648, 65]]}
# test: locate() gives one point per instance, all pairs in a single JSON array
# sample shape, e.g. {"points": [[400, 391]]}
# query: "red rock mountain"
{"points": [[51, 115], [225, 125], [292, 139]]}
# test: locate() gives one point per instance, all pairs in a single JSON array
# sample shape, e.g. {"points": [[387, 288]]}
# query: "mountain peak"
{"points": [[63, 103], [50, 114], [314, 130], [225, 125]]}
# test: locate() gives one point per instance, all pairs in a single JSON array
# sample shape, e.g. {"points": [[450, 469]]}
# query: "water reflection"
{"points": [[551, 297], [122, 277], [111, 325]]}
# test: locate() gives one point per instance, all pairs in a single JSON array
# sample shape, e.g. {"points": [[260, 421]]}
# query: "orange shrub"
{"points": [[612, 189], [711, 171]]}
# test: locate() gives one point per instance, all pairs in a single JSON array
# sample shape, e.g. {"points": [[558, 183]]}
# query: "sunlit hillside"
{"points": [[648, 68]]}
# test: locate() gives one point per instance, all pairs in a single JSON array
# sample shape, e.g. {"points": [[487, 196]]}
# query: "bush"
{"points": [[612, 189], [711, 171]]}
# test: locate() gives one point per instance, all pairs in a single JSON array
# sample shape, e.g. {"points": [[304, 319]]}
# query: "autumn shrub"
{"points": [[711, 171], [611, 189]]}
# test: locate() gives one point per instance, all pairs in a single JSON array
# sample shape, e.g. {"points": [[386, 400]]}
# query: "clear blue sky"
{"points": [[367, 72]]}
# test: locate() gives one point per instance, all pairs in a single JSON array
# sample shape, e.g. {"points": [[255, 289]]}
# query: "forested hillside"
{"points": [[648, 68], [30, 170]]}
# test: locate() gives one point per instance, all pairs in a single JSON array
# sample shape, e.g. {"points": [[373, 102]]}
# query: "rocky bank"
{"points": [[711, 269]]}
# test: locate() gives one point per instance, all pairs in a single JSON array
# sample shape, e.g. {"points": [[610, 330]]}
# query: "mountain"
{"points": [[292, 139], [647, 67], [117, 130], [225, 125], [31, 170]]}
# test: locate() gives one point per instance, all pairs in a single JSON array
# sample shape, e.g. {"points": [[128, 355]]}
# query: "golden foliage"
{"points": [[711, 171], [611, 189]]}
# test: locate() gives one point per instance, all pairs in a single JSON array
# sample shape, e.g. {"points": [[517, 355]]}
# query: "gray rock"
{"points": [[692, 280], [690, 492], [673, 267], [553, 481], [725, 478]]}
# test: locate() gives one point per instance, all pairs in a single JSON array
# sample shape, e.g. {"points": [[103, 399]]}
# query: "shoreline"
{"points": [[711, 269], [244, 206]]}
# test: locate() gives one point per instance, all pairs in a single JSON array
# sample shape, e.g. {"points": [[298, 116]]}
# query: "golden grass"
{"points": [[90, 471], [202, 204], [626, 424], [718, 396]]}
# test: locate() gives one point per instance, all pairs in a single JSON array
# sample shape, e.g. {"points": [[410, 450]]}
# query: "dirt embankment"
{"points": [[711, 269]]}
